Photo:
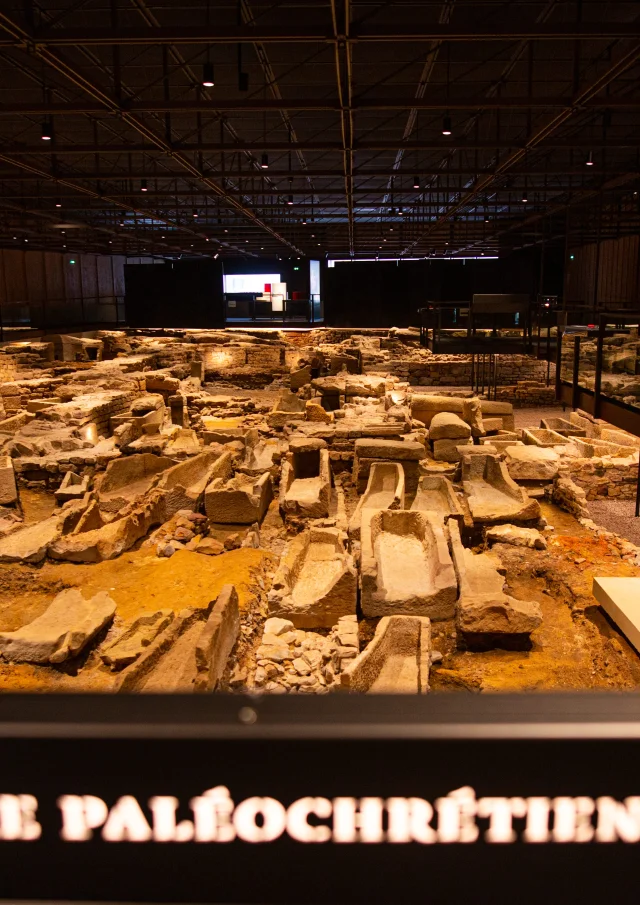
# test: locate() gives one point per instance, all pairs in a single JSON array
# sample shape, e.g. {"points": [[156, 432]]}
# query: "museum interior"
{"points": [[319, 346]]}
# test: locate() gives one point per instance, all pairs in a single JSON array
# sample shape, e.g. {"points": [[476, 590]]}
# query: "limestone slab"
{"points": [[8, 489], [62, 631], [448, 426], [30, 544], [484, 612], [532, 463], [133, 642], [620, 598]]}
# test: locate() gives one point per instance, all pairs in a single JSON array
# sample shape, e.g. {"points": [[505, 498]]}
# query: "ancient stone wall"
{"points": [[455, 370], [608, 478], [8, 368]]}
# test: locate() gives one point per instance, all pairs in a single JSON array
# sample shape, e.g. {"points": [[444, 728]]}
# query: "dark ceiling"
{"points": [[348, 100]]}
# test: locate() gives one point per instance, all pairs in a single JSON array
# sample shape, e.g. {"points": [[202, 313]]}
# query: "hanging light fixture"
{"points": [[525, 197], [265, 162], [589, 161], [143, 185], [416, 182], [46, 132], [208, 80], [446, 125], [290, 199], [58, 202], [195, 213]]}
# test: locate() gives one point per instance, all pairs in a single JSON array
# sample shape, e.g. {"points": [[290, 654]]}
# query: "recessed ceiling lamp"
{"points": [[208, 81]]}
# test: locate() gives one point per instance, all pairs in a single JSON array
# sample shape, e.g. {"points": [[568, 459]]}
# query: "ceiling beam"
{"points": [[539, 136], [324, 174], [161, 144], [319, 105], [303, 33], [19, 149]]}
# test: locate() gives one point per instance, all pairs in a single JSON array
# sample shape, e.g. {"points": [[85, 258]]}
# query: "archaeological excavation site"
{"points": [[326, 511], [319, 452]]}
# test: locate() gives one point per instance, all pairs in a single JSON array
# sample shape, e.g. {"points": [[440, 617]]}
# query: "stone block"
{"points": [[8, 489], [63, 630]]}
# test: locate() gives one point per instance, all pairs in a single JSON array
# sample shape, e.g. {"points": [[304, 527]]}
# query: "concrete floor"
{"points": [[618, 516]]}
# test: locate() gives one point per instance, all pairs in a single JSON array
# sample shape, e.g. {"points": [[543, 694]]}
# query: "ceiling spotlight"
{"points": [[216, 255], [15, 237], [26, 240], [246, 241], [46, 132], [208, 80], [446, 125], [143, 185], [416, 182], [589, 160], [121, 223], [163, 237], [226, 230], [264, 163], [290, 199]]}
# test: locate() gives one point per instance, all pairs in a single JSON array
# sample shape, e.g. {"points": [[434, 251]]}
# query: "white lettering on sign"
{"points": [[459, 817]]}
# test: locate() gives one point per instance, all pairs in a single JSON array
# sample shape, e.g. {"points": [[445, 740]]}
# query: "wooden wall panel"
{"points": [[117, 265], [53, 263], [15, 276], [88, 276], [104, 267], [72, 279], [617, 266], [36, 276]]}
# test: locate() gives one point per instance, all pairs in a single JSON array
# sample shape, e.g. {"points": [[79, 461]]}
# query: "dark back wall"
{"points": [[189, 293], [389, 293], [174, 294]]}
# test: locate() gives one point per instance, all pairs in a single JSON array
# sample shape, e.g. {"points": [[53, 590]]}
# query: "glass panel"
{"points": [[566, 357], [587, 367], [621, 364]]}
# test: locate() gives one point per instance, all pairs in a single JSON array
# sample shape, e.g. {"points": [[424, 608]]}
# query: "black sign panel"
{"points": [[303, 800]]}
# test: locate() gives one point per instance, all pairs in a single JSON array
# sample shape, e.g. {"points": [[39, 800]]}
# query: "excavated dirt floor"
{"points": [[576, 647], [138, 581]]}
